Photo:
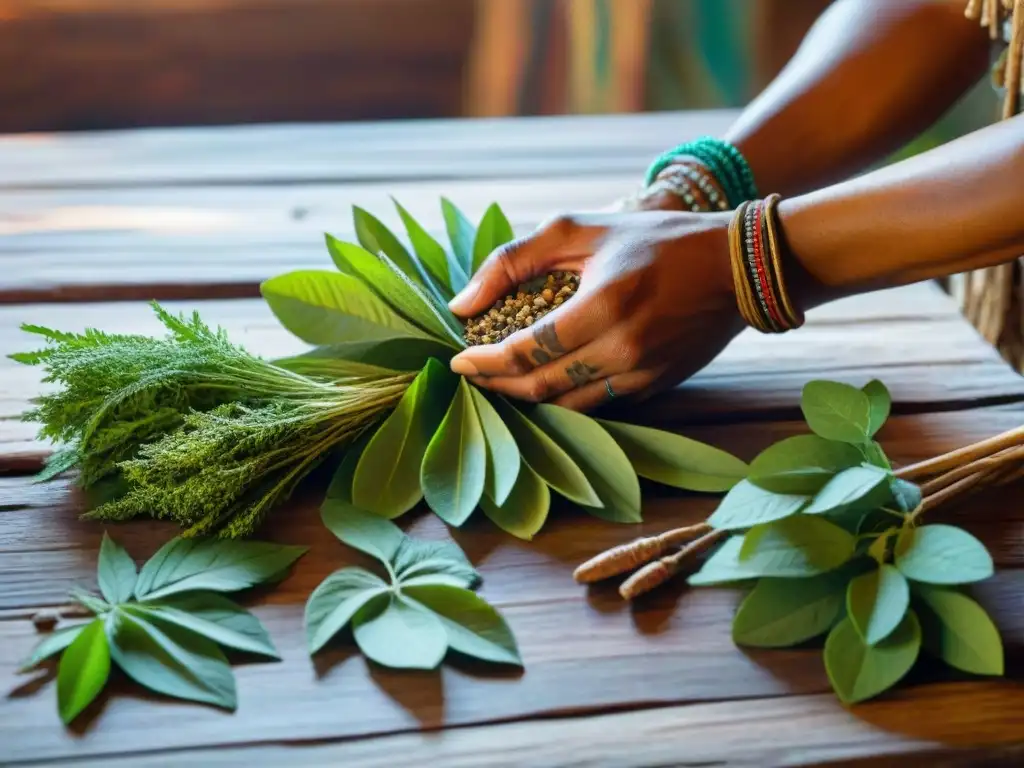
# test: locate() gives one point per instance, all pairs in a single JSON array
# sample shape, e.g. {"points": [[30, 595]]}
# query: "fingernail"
{"points": [[463, 367], [465, 297]]}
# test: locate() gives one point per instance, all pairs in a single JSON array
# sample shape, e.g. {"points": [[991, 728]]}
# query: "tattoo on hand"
{"points": [[549, 347], [581, 373]]}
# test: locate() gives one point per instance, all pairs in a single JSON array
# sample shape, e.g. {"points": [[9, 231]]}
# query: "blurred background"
{"points": [[88, 64]]}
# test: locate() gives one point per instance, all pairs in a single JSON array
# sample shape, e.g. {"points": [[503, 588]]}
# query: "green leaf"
{"points": [[793, 547], [779, 613], [333, 604], [116, 572], [172, 661], [430, 252], [677, 461], [218, 565], [859, 671], [365, 531], [461, 233], [837, 411], [377, 238], [547, 458], [213, 616], [387, 478], [600, 458], [525, 510], [83, 671], [876, 456], [52, 644], [323, 307], [503, 459], [473, 627], [419, 559], [401, 354], [959, 631], [846, 489], [942, 554], [880, 404], [879, 548], [340, 489], [89, 602], [386, 280], [747, 505], [494, 231], [801, 464], [876, 603], [906, 494], [455, 463], [395, 633]]}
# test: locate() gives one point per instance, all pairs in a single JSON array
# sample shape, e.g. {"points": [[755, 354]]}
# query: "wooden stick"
{"points": [[657, 573], [995, 461], [627, 557], [953, 459]]}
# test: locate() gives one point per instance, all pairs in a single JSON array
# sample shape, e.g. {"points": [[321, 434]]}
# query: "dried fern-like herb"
{"points": [[200, 431]]}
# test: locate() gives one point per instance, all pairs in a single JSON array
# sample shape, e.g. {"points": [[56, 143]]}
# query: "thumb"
{"points": [[498, 276]]}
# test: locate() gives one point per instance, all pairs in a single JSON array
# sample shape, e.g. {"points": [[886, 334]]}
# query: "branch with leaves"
{"points": [[832, 539], [167, 624], [195, 429]]}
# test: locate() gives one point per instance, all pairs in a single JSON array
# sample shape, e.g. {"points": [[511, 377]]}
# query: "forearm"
{"points": [[870, 76], [955, 208]]}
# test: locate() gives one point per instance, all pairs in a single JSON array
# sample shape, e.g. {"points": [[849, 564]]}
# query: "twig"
{"points": [[657, 573], [985, 448], [626, 557], [995, 461]]}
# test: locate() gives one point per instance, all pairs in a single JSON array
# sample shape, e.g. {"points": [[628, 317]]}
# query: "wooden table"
{"points": [[93, 225]]}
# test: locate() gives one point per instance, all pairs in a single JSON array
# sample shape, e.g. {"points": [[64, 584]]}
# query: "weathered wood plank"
{"points": [[546, 147], [931, 359], [942, 726]]}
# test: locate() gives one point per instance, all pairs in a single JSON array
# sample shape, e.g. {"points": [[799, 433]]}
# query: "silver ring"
{"points": [[608, 388]]}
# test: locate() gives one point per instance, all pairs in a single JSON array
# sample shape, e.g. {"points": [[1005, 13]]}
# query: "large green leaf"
{"points": [[547, 458], [595, 452], [859, 671], [852, 488], [525, 510], [172, 661], [942, 554], [361, 530], [322, 307], [747, 505], [430, 252], [494, 231], [779, 613], [876, 603], [218, 565], [116, 572], [461, 233], [455, 463], [676, 461], [473, 627], [375, 237], [394, 632], [333, 604], [959, 631], [433, 561], [837, 411], [400, 354], [83, 671], [213, 616], [802, 464], [387, 478], [385, 279], [503, 459]]}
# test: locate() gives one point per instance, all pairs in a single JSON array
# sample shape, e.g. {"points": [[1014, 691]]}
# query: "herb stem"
{"points": [[967, 454]]}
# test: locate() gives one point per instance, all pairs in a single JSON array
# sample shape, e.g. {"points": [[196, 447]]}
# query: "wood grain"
{"points": [[931, 359], [541, 147]]}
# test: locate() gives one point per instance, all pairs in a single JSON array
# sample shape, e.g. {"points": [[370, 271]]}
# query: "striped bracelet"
{"points": [[756, 259]]}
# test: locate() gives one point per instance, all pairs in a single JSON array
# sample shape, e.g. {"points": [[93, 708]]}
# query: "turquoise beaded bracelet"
{"points": [[722, 159]]}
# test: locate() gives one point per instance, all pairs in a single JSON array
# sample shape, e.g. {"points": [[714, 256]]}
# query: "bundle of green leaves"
{"points": [[165, 625], [195, 429], [425, 609], [834, 545]]}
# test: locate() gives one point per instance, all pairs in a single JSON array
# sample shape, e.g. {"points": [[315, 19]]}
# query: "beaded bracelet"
{"points": [[755, 256], [724, 162]]}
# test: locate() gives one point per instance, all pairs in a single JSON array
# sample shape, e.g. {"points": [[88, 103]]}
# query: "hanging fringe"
{"points": [[994, 15]]}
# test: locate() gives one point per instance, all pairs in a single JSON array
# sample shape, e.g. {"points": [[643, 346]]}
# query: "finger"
{"points": [[597, 393], [517, 261], [567, 328], [594, 361]]}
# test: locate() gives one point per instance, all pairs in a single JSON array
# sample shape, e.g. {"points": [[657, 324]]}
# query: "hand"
{"points": [[654, 306]]}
